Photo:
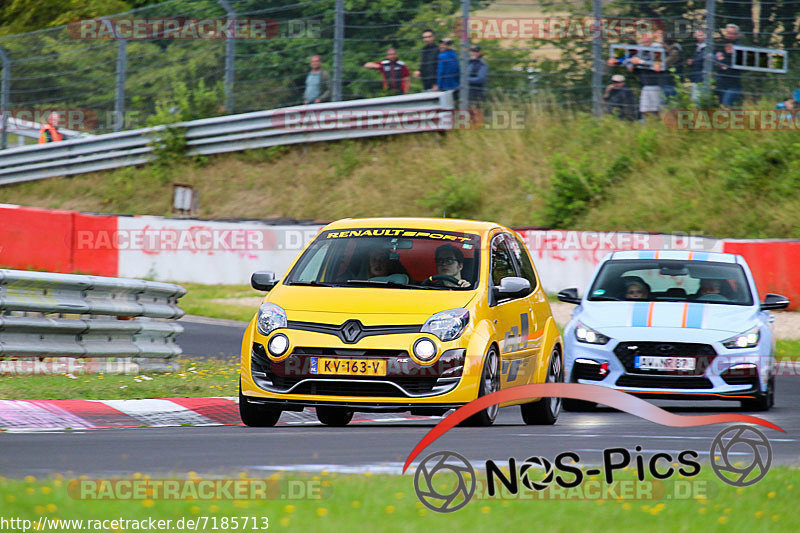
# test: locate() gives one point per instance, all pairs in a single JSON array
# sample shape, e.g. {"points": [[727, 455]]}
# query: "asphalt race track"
{"points": [[374, 446], [211, 338], [377, 446]]}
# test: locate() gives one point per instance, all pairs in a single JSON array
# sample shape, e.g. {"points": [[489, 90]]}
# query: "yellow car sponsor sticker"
{"points": [[407, 233]]}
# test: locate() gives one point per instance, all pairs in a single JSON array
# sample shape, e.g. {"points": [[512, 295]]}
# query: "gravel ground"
{"points": [[787, 323]]}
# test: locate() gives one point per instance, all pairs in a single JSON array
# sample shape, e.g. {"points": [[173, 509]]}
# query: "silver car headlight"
{"points": [[586, 334], [447, 325], [270, 317], [748, 339]]}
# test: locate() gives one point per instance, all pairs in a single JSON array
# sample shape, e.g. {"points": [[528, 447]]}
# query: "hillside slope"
{"points": [[560, 171]]}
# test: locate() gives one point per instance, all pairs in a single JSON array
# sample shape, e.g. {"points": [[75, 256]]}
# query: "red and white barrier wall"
{"points": [[44, 239], [206, 252], [146, 247], [566, 258], [775, 265], [213, 252]]}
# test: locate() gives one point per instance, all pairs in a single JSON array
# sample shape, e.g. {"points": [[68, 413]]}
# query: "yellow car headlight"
{"points": [[447, 325], [270, 317]]}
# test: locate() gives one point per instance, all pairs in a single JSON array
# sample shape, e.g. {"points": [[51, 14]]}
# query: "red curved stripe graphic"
{"points": [[578, 391]]}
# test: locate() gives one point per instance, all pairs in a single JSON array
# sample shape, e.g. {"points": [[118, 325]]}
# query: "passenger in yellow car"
{"points": [[378, 262], [382, 268], [449, 264]]}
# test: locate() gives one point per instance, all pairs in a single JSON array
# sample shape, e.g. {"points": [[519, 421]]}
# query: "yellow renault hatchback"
{"points": [[400, 314]]}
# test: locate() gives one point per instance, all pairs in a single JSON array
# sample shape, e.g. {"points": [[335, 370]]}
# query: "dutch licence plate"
{"points": [[347, 367], [648, 362]]}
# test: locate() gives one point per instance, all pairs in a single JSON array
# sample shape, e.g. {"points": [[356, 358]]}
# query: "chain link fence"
{"points": [[232, 56]]}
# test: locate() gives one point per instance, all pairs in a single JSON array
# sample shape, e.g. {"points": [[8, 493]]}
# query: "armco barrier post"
{"points": [[119, 93], [5, 90], [230, 57], [463, 92], [338, 51], [597, 59], [708, 60]]}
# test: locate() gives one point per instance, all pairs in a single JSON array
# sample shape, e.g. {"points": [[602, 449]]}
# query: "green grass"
{"points": [[619, 176], [195, 378], [198, 301], [788, 349], [389, 503]]}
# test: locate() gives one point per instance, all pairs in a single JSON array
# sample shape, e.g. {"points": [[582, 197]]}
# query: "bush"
{"points": [[169, 144], [582, 184], [456, 197]]}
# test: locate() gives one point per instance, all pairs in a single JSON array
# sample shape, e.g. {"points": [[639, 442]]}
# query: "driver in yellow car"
{"points": [[450, 262]]}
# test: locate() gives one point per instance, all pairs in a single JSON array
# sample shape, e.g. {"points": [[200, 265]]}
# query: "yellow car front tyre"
{"points": [[256, 415], [490, 382], [545, 411]]}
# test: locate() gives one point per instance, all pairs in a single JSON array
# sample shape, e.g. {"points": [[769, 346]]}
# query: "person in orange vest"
{"points": [[49, 132]]}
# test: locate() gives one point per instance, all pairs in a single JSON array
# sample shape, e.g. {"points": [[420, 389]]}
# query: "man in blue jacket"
{"points": [[447, 71]]}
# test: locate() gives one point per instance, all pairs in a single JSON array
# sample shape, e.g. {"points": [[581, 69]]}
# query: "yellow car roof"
{"points": [[445, 224]]}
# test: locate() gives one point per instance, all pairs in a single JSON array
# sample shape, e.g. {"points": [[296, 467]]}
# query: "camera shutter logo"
{"points": [[547, 474], [725, 454], [452, 498]]}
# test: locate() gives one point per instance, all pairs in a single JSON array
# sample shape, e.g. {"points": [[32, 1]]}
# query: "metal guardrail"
{"points": [[260, 129], [94, 301]]}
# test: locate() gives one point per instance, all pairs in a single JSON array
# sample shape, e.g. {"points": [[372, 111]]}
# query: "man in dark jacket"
{"points": [[619, 99], [428, 61], [478, 76], [696, 65], [447, 71], [673, 67], [729, 79]]}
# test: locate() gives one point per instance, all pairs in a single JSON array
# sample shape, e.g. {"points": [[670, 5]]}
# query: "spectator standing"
{"points": [[318, 83], [648, 66], [447, 71], [49, 132], [478, 76], [619, 99], [729, 79], [396, 78], [428, 61], [731, 34], [695, 64], [788, 109], [673, 67]]}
